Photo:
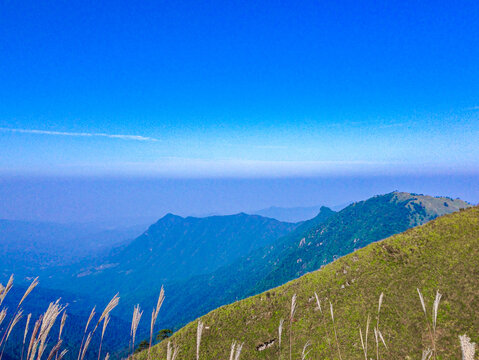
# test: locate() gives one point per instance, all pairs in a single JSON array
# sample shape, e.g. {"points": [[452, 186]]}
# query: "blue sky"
{"points": [[239, 89]]}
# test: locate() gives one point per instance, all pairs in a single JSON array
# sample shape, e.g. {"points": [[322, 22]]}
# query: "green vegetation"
{"points": [[442, 255], [164, 334], [313, 244]]}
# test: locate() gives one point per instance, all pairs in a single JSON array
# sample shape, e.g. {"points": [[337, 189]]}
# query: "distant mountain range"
{"points": [[442, 255], [28, 246], [294, 214], [208, 262], [176, 248]]}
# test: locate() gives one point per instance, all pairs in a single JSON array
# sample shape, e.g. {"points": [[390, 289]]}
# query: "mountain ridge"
{"points": [[422, 257]]}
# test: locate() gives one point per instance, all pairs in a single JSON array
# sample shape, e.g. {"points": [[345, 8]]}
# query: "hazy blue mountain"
{"points": [[26, 246], [291, 214], [178, 248]]}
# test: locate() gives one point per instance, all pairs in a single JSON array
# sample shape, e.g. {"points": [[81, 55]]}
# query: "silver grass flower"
{"points": [[364, 343], [62, 324], [293, 308], [238, 349], [426, 354], [48, 319], [29, 290], [422, 301], [468, 349], [5, 289], [33, 337], [134, 323], [14, 322], [3, 314], [62, 354], [171, 351], [154, 316], [280, 331], [87, 343], [232, 352], [55, 350], [305, 351], [199, 333], [111, 305], [435, 309], [318, 302], [92, 314]]}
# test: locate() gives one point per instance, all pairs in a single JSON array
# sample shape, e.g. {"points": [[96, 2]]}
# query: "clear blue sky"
{"points": [[235, 88]]}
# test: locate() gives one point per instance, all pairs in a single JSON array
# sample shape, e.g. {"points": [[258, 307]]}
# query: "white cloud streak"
{"points": [[81, 134]]}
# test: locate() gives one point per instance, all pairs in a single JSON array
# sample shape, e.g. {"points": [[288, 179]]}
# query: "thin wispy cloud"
{"points": [[81, 134]]}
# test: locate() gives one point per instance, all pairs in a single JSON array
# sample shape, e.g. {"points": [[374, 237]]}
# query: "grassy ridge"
{"points": [[441, 255]]}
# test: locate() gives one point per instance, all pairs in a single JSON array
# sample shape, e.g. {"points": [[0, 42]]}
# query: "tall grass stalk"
{"points": [[106, 320], [431, 326], [171, 351], [62, 325], [364, 342], [55, 350], [154, 316], [468, 348], [42, 330], [305, 351], [3, 293], [134, 326], [232, 351], [16, 319], [426, 354], [280, 335], [30, 288], [25, 333], [323, 320], [109, 307], [33, 337], [87, 344], [5, 289], [291, 318], [334, 328], [3, 314], [92, 314], [199, 333], [238, 349]]}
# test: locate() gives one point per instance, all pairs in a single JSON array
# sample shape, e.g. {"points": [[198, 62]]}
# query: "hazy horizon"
{"points": [[129, 201]]}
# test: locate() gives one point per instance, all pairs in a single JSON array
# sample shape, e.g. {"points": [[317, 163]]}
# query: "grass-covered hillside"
{"points": [[354, 227], [313, 244], [442, 255]]}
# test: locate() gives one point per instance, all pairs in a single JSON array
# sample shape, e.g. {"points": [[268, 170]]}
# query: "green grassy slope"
{"points": [[313, 244], [441, 255], [353, 228]]}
